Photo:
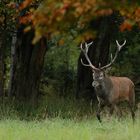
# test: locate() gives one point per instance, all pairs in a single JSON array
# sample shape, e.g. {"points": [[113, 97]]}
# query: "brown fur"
{"points": [[112, 90]]}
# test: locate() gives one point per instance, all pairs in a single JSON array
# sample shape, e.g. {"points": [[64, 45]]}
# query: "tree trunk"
{"points": [[98, 53], [1, 67], [13, 53], [28, 63]]}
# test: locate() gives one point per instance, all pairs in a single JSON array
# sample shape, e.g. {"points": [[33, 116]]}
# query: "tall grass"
{"points": [[64, 119], [48, 107]]}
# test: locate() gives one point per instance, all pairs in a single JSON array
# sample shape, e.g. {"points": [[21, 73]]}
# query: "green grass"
{"points": [[64, 119], [69, 129]]}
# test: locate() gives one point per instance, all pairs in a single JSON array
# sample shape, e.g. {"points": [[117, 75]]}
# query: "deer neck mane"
{"points": [[102, 91]]}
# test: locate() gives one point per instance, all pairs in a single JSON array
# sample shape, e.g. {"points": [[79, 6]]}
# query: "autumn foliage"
{"points": [[58, 16], [125, 26], [24, 4]]}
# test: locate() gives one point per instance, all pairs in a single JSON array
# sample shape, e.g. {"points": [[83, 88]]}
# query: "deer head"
{"points": [[99, 73]]}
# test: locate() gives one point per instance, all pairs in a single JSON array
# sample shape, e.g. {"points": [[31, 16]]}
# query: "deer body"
{"points": [[115, 89], [110, 90], [123, 88]]}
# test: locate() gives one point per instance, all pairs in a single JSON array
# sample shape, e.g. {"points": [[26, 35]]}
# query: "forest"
{"points": [[50, 53]]}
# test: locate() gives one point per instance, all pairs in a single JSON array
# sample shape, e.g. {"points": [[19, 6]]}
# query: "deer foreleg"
{"points": [[100, 107]]}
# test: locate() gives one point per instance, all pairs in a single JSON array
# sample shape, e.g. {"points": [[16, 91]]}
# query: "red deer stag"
{"points": [[110, 90]]}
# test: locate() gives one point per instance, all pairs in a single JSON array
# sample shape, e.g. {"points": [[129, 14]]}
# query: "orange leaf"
{"points": [[24, 4], [61, 42], [137, 12], [25, 19], [125, 26]]}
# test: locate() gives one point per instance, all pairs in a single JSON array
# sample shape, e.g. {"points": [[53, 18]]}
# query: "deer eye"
{"points": [[93, 75], [101, 76]]}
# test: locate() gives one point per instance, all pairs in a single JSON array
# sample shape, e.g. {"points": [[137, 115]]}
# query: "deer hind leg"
{"points": [[118, 112], [112, 107], [132, 104]]}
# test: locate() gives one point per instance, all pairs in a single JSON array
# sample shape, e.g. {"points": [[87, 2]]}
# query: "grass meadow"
{"points": [[67, 129], [66, 120]]}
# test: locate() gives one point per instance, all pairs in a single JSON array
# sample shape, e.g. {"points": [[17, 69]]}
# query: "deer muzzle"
{"points": [[95, 84]]}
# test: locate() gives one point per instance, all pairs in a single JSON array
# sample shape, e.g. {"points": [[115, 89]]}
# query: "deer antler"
{"points": [[119, 47], [85, 51]]}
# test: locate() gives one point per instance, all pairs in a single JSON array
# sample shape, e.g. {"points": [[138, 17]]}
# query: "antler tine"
{"points": [[89, 44], [116, 54], [86, 47], [120, 46], [111, 57], [87, 65], [82, 47], [85, 51]]}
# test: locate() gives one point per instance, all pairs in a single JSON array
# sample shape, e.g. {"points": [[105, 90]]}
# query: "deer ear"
{"points": [[93, 71], [107, 70]]}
